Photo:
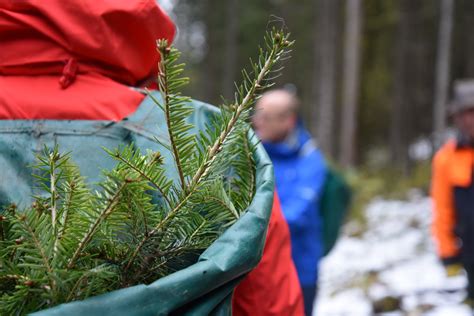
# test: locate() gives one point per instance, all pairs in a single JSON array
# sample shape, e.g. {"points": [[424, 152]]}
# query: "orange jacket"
{"points": [[272, 288], [451, 167]]}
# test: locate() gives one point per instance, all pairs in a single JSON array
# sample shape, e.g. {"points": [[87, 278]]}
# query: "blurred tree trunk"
{"points": [[214, 57], [468, 21], [443, 59], [400, 102], [324, 72], [462, 63], [351, 84], [231, 48]]}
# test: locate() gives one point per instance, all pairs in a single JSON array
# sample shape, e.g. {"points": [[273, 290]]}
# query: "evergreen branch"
{"points": [[215, 199], [67, 208], [163, 82], [160, 265], [53, 157], [167, 258], [242, 184], [191, 237], [279, 43], [145, 222], [15, 277], [32, 231], [250, 167], [75, 198], [55, 169], [223, 204], [157, 229], [143, 175], [102, 216], [99, 275], [64, 221], [75, 286], [173, 251]]}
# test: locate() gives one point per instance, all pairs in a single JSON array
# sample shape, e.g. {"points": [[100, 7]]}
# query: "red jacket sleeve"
{"points": [[272, 288]]}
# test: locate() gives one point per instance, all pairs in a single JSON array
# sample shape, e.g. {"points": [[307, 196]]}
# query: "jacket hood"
{"points": [[293, 145], [112, 38]]}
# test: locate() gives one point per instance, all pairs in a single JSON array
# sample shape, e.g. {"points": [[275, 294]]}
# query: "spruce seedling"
{"points": [[75, 242]]}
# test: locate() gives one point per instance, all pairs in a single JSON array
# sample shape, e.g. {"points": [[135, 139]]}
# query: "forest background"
{"points": [[374, 76]]}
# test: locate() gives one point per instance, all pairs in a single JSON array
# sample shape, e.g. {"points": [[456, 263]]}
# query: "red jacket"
{"points": [[272, 288], [59, 50], [77, 60]]}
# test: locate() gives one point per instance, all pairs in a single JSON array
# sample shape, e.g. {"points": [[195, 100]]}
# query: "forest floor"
{"points": [[388, 266]]}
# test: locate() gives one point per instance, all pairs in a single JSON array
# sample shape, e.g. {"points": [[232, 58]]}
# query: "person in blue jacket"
{"points": [[300, 172]]}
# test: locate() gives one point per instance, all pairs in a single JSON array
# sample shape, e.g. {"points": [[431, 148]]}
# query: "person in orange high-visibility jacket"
{"points": [[79, 60], [452, 189]]}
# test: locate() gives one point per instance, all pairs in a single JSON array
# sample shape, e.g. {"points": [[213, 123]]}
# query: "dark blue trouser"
{"points": [[309, 295]]}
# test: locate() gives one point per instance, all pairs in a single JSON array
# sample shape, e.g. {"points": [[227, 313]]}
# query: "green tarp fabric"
{"points": [[204, 288]]}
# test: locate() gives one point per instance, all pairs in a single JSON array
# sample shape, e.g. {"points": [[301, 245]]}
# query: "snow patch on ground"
{"points": [[394, 256]]}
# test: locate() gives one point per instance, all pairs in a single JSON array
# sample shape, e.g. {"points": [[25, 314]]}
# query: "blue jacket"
{"points": [[300, 171]]}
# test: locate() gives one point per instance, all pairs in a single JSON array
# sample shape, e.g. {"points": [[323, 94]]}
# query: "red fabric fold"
{"points": [[272, 288], [84, 44]]}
